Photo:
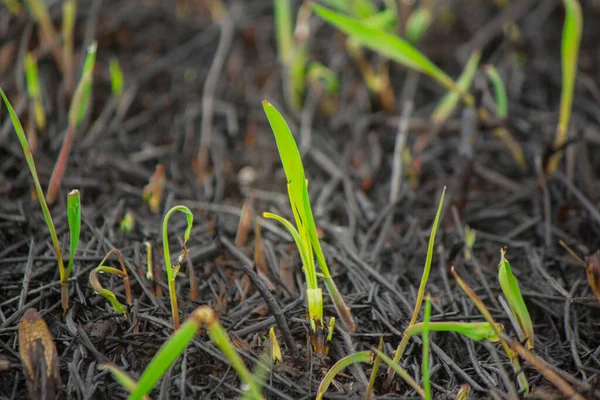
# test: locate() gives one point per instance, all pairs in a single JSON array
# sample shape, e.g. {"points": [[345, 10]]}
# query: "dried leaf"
{"points": [[39, 356]]}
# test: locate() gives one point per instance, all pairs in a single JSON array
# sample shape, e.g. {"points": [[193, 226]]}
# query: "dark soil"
{"points": [[166, 56]]}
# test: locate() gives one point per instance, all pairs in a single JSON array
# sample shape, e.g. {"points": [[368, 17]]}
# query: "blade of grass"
{"points": [[390, 46], [512, 292], [369, 392], [68, 27], [173, 271], [425, 357], [79, 105], [363, 357], [282, 10], [473, 330], [499, 91], [39, 193], [571, 38], [417, 24], [121, 376], [107, 294], [172, 349], [74, 219], [33, 90], [421, 293], [116, 77]]}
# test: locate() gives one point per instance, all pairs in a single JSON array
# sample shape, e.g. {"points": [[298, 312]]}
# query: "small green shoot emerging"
{"points": [[570, 52], [421, 293], [48, 35], [499, 91], [116, 78], [172, 349], [40, 195], [488, 317], [68, 27], [390, 46], [127, 223], [425, 358], [510, 288], [173, 271], [305, 233], [374, 371], [363, 357], [418, 23], [74, 219], [77, 110], [107, 294], [33, 90]]}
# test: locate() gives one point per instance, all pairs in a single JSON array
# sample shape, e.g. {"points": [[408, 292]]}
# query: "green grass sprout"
{"points": [[107, 294], [127, 223], [450, 100], [305, 233], [33, 90], [77, 110], [417, 24], [510, 288], [514, 359], [172, 349], [40, 195], [502, 112], [402, 373], [282, 10], [374, 371], [116, 78], [571, 38], [68, 27], [499, 91], [48, 35], [74, 219], [360, 357], [425, 357], [172, 271], [390, 46], [421, 293], [149, 263], [317, 73]]}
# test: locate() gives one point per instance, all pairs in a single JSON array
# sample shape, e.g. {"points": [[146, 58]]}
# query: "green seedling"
{"points": [[421, 293], [374, 371], [33, 90], [172, 349], [116, 78], [107, 294], [68, 27], [77, 110], [127, 223], [40, 195], [292, 49], [392, 47], [172, 271], [362, 357], [571, 38], [514, 359], [425, 357], [510, 288], [318, 75], [48, 35], [473, 330], [449, 102], [149, 263], [502, 112], [417, 24], [305, 232], [402, 373], [74, 219]]}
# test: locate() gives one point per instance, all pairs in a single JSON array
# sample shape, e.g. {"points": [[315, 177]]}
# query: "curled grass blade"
{"points": [[74, 219], [172, 271], [571, 38], [363, 357], [512, 292], [390, 46], [38, 191], [107, 294]]}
